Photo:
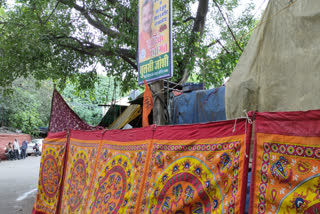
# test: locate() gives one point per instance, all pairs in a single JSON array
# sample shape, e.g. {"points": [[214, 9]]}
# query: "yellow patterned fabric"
{"points": [[196, 169], [169, 169], [286, 173], [51, 173]]}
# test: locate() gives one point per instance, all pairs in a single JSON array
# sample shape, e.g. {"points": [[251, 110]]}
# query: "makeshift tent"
{"points": [[64, 118], [279, 69], [199, 168], [52, 170], [198, 106]]}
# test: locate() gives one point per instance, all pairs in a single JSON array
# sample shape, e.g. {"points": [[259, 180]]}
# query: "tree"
{"points": [[27, 107], [227, 46], [60, 39], [85, 103]]}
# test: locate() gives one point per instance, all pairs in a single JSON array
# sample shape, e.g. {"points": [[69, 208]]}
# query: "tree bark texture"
{"points": [[158, 103]]}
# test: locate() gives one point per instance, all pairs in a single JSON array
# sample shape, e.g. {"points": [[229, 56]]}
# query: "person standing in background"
{"points": [[16, 148], [24, 149]]}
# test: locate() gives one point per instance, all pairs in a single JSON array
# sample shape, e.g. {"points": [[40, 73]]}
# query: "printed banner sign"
{"points": [[155, 40]]}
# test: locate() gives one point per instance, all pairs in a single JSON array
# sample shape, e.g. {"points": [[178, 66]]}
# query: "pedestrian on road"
{"points": [[16, 148], [24, 149]]}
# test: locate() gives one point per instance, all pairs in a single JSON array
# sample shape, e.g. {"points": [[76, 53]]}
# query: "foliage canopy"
{"points": [[86, 103], [69, 40], [28, 106]]}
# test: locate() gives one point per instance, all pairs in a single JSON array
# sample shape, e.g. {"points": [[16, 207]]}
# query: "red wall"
{"points": [[6, 138]]}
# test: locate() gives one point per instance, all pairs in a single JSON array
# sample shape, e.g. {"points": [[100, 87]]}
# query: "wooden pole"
{"points": [[158, 108]]}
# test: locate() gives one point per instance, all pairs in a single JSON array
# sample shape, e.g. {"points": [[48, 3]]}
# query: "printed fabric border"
{"points": [[200, 168], [51, 173], [130, 171], [286, 176]]}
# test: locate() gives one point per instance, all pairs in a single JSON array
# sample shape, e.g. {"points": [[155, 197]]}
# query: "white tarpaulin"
{"points": [[280, 67]]}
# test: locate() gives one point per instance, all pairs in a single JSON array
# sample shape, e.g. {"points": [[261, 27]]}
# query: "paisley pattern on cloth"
{"points": [[286, 172], [51, 173]]}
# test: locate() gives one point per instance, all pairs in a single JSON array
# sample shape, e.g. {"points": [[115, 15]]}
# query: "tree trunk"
{"points": [[158, 102]]}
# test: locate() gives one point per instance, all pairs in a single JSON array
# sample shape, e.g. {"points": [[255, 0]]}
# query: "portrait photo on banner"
{"points": [[154, 40]]}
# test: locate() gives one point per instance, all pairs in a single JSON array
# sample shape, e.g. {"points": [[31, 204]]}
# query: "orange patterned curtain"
{"points": [[286, 167], [199, 168], [51, 173]]}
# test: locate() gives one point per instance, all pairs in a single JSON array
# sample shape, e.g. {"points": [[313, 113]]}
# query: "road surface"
{"points": [[18, 185]]}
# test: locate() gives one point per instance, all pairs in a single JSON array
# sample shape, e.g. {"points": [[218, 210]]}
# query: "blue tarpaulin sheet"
{"points": [[199, 106]]}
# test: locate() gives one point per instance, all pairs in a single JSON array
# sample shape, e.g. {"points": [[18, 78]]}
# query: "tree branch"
{"points": [[94, 22], [36, 12], [215, 42], [184, 21], [130, 62], [101, 13], [201, 16], [189, 18], [198, 27], [233, 36], [83, 51], [218, 41], [112, 1], [212, 43], [54, 9], [17, 24], [92, 49]]}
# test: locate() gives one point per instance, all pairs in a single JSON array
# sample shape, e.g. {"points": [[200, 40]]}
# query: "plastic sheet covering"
{"points": [[199, 106], [279, 69]]}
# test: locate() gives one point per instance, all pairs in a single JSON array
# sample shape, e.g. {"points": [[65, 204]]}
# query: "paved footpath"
{"points": [[18, 185]]}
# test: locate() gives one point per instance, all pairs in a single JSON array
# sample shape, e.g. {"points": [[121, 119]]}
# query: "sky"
{"points": [[260, 5]]}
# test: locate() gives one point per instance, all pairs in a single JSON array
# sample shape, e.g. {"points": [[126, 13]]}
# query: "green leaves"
{"points": [[85, 102], [27, 106], [61, 40]]}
